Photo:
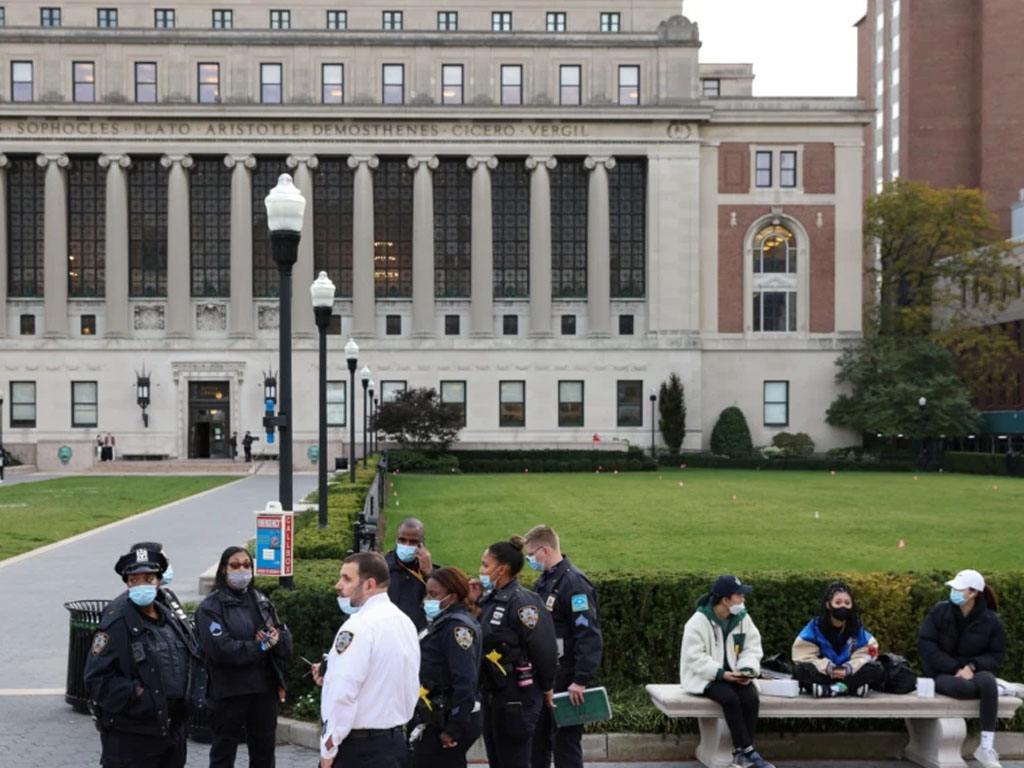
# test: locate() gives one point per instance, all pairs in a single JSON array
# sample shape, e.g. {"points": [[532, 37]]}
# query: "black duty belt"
{"points": [[367, 733]]}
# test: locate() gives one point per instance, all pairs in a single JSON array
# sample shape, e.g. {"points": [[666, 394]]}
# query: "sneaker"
{"points": [[861, 690], [824, 691], [1010, 689], [987, 757], [756, 761]]}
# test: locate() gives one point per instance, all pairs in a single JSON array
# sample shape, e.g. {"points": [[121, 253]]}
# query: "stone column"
{"points": [[540, 244], [179, 246], [55, 245], [363, 320], [3, 247], [599, 308], [482, 248], [423, 322], [303, 323], [116, 265], [240, 312]]}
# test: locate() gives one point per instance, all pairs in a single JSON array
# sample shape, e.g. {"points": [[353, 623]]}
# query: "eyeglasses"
{"points": [[246, 566]]}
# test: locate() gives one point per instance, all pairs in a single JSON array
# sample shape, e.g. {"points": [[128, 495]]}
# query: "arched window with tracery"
{"points": [[774, 279]]}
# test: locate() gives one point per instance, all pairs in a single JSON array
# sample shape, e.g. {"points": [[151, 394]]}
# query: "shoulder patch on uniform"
{"points": [[343, 641], [529, 615], [550, 603], [464, 637], [99, 642], [216, 629], [580, 603], [582, 621]]}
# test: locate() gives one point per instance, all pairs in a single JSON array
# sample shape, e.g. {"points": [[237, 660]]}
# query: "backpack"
{"points": [[899, 677]]}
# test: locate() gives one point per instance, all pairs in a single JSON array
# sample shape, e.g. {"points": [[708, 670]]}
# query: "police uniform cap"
{"points": [[140, 560]]}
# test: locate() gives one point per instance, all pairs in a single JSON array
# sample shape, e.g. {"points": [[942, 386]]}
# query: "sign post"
{"points": [[275, 530]]}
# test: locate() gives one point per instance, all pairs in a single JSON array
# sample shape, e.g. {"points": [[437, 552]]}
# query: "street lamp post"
{"points": [[373, 442], [923, 456], [376, 432], [654, 397], [352, 357], [285, 209], [364, 375], [1, 427], [322, 293]]}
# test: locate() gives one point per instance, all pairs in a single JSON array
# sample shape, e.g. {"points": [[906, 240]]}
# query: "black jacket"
{"points": [[948, 640], [519, 628], [450, 668], [568, 594], [408, 587], [227, 622], [122, 660]]}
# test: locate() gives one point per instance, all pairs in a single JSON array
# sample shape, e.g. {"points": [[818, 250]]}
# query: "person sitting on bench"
{"points": [[834, 654]]}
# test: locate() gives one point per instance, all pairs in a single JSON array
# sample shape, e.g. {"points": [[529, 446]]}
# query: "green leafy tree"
{"points": [[888, 375], [731, 435], [943, 273], [417, 420], [672, 413]]}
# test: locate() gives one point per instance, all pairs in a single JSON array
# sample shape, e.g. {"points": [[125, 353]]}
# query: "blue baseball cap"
{"points": [[728, 585]]}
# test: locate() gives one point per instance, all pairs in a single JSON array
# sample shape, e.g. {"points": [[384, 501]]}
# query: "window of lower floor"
{"points": [[336, 401], [776, 403], [512, 404], [84, 404], [629, 400], [570, 403], [390, 390], [453, 395], [23, 404]]}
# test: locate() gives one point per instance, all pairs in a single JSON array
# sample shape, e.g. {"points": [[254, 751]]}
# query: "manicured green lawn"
{"points": [[34, 514], [648, 521]]}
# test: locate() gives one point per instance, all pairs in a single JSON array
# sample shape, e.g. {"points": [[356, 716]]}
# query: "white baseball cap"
{"points": [[968, 579]]}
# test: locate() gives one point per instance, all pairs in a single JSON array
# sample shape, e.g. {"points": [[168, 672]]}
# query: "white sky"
{"points": [[797, 47]]}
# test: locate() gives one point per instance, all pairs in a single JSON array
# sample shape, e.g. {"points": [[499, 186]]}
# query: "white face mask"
{"points": [[736, 608]]}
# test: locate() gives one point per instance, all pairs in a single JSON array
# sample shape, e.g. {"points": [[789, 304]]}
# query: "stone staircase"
{"points": [[175, 467]]}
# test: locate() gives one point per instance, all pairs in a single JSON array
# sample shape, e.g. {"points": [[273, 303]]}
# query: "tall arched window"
{"points": [[775, 279]]}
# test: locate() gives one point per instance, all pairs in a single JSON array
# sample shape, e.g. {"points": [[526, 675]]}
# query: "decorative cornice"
{"points": [[484, 161], [246, 161], [535, 162], [590, 163], [184, 160], [430, 161], [371, 161], [122, 161], [62, 161], [311, 161]]}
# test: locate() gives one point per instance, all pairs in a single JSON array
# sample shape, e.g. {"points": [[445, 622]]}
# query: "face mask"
{"points": [[840, 614], [142, 595], [345, 603], [406, 552], [737, 608], [957, 597], [239, 580], [432, 608], [168, 576], [485, 581], [532, 561]]}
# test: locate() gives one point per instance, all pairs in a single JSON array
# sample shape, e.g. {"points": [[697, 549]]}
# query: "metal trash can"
{"points": [[85, 618]]}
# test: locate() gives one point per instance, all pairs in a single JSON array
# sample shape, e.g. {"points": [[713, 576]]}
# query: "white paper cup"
{"points": [[926, 687]]}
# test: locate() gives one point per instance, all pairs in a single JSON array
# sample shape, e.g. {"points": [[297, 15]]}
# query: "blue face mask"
{"points": [[406, 552], [957, 597], [168, 576], [485, 581], [142, 595], [345, 603], [531, 560], [432, 608]]}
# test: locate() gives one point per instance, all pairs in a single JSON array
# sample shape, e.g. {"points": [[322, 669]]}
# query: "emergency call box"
{"points": [[275, 533]]}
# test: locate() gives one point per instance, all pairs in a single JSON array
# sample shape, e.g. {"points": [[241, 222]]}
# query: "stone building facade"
{"points": [[540, 213]]}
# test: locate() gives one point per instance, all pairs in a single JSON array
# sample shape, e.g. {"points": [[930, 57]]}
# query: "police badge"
{"points": [[529, 615], [464, 637], [342, 642], [99, 642]]}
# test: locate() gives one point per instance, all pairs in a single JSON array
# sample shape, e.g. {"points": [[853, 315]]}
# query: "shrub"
{"points": [[731, 435], [799, 444], [418, 461], [563, 460], [983, 463], [700, 460], [418, 419], [672, 413], [344, 503]]}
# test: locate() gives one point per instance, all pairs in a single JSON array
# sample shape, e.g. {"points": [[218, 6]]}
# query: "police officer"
{"points": [[164, 592], [246, 647], [569, 596], [449, 674], [371, 681], [410, 565], [137, 674], [517, 673]]}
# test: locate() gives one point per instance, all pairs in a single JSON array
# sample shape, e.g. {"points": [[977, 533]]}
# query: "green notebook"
{"points": [[595, 707]]}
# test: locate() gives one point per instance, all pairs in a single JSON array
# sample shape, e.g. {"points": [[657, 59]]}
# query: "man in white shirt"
{"points": [[371, 682]]}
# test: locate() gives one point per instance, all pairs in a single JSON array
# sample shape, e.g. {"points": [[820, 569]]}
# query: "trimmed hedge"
{"points": [[983, 463], [632, 460], [731, 435], [642, 618], [344, 503], [814, 463]]}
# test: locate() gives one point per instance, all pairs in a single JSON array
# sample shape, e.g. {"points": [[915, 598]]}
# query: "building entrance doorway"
{"points": [[209, 412]]}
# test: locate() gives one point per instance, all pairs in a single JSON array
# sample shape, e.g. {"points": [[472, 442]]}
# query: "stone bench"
{"points": [[937, 726]]}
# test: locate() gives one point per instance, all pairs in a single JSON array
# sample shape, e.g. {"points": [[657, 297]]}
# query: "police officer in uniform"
{"points": [[569, 596], [410, 565], [164, 592], [449, 674], [370, 677], [137, 674], [517, 673]]}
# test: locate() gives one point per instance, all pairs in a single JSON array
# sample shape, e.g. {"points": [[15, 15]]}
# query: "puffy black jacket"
{"points": [[227, 622], [948, 640]]}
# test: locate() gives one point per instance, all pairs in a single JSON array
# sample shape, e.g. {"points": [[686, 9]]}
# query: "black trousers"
{"points": [[740, 705], [565, 744], [257, 714], [428, 752], [981, 686], [510, 719], [382, 750], [870, 674], [129, 750]]}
